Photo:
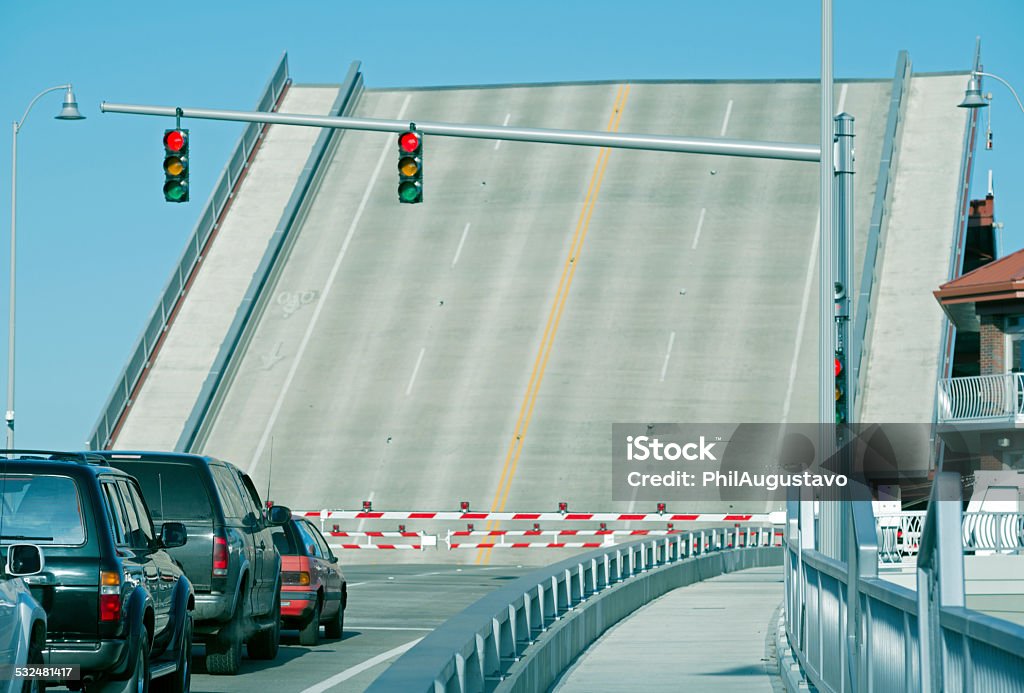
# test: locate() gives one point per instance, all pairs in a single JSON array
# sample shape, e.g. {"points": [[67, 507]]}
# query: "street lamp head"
{"points": [[70, 109], [972, 96]]}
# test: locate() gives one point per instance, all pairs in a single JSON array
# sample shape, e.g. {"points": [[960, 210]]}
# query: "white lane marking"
{"points": [[508, 117], [415, 370], [387, 149], [345, 675], [354, 584], [802, 321], [458, 251], [725, 121], [356, 625], [363, 521], [700, 225], [668, 355]]}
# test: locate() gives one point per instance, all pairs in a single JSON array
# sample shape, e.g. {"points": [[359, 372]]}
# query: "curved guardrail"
{"points": [[521, 637]]}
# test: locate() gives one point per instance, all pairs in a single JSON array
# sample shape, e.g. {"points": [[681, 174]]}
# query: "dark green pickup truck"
{"points": [[230, 557]]}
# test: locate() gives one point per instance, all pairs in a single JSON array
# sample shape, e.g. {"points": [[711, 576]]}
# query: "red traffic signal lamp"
{"points": [[176, 165], [841, 404], [410, 166]]}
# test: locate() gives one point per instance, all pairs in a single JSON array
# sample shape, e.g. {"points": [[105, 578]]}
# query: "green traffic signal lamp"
{"points": [[410, 166], [176, 165]]}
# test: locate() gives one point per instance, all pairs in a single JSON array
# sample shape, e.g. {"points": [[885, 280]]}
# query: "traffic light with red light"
{"points": [[176, 165], [840, 389], [410, 166]]}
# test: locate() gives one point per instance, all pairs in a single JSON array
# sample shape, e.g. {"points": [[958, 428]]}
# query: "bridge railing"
{"points": [[981, 397], [899, 534], [120, 398], [522, 636], [851, 631]]}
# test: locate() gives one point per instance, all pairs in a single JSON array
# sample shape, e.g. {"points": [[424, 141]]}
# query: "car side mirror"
{"points": [[24, 559], [173, 535], [334, 559], [279, 515]]}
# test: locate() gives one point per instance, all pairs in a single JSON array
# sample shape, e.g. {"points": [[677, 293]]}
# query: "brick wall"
{"points": [[993, 345]]}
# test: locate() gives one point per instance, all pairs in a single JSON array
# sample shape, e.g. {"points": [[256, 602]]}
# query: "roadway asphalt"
{"points": [[390, 607], [479, 346]]}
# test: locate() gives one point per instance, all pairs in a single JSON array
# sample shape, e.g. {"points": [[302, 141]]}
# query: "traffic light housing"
{"points": [[410, 166], [176, 165], [840, 371]]}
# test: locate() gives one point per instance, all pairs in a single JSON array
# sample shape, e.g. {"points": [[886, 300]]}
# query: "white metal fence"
{"points": [[851, 631], [982, 397]]}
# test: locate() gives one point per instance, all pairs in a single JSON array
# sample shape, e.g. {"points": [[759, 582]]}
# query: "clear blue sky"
{"points": [[97, 242]]}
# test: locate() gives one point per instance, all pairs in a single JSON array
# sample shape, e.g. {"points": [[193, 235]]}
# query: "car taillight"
{"points": [[299, 577], [220, 556], [110, 596]]}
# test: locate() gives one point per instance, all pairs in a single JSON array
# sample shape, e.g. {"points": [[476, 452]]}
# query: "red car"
{"points": [[313, 588]]}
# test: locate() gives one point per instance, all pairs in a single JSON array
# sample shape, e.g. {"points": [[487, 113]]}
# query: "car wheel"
{"points": [[140, 678], [264, 645], [310, 633], [224, 652], [181, 680], [335, 627]]}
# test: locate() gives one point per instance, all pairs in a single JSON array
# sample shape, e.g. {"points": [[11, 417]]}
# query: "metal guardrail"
{"points": [[500, 643], [1000, 532], [980, 397], [879, 213], [851, 631], [120, 397], [899, 536]]}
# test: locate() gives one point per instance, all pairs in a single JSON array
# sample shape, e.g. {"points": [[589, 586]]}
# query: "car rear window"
{"points": [[285, 541], [42, 509], [173, 491]]}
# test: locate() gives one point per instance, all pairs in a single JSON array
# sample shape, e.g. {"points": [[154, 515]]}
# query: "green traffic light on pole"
{"points": [[176, 165], [410, 166]]}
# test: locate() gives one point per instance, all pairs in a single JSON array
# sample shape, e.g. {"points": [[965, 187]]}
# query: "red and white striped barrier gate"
{"points": [[563, 515]]}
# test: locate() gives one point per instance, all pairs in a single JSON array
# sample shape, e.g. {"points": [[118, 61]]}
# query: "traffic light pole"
{"points": [[586, 138], [844, 263]]}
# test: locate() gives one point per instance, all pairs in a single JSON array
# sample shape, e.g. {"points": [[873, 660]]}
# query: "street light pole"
{"points": [[68, 112]]}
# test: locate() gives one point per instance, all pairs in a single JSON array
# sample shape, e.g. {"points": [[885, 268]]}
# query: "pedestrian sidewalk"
{"points": [[709, 636]]}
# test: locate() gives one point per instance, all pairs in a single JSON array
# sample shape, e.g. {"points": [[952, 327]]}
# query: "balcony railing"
{"points": [[981, 397], [899, 534]]}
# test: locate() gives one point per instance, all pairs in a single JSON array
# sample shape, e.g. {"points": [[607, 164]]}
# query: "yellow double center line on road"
{"points": [[540, 363]]}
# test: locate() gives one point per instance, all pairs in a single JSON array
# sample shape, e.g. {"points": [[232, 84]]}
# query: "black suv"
{"points": [[230, 558], [116, 601]]}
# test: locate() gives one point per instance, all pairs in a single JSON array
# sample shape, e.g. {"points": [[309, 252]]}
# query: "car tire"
{"points": [[265, 644], [335, 627], [35, 658], [224, 652], [138, 682], [310, 633], [181, 680]]}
